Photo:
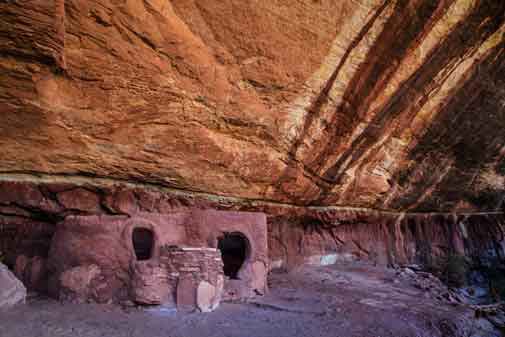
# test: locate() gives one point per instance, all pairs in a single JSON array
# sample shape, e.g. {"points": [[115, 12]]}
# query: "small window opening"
{"points": [[143, 242], [233, 249]]}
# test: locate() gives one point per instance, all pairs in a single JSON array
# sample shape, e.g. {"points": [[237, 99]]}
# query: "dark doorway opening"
{"points": [[143, 242], [233, 247]]}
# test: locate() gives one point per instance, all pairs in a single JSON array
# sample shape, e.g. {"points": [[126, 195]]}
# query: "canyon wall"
{"points": [[395, 105], [364, 129], [31, 211]]}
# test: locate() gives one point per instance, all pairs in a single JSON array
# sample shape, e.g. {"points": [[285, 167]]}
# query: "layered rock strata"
{"points": [[295, 234], [353, 103]]}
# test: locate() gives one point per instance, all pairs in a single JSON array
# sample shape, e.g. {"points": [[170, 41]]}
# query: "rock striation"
{"points": [[295, 235], [355, 103]]}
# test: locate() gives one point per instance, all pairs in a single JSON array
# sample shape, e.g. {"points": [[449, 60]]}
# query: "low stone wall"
{"points": [[186, 277], [189, 277], [199, 273]]}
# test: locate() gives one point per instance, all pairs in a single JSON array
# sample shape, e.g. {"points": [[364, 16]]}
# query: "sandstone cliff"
{"points": [[364, 129], [393, 105]]}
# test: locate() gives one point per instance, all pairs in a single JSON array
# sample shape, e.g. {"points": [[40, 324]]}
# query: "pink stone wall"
{"points": [[31, 212], [195, 268], [106, 242]]}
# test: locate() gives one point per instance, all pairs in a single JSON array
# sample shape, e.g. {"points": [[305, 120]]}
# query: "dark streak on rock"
{"points": [[484, 20]]}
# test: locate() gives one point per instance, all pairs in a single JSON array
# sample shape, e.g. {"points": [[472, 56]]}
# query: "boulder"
{"points": [[12, 291]]}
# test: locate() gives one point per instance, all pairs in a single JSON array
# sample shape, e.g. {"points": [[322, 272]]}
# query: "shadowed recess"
{"points": [[143, 242], [233, 249]]}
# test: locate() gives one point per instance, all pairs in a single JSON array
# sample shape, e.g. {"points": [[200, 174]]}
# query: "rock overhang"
{"points": [[370, 105]]}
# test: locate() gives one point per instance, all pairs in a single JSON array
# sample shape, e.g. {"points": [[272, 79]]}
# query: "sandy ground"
{"points": [[336, 301]]}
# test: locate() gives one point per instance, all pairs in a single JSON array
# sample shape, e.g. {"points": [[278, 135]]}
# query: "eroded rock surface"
{"points": [[386, 104], [295, 234], [75, 285]]}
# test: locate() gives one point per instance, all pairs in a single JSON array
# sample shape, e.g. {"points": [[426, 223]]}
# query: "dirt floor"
{"points": [[334, 301]]}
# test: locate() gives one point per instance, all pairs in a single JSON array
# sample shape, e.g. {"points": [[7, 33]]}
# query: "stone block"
{"points": [[208, 296], [186, 293]]}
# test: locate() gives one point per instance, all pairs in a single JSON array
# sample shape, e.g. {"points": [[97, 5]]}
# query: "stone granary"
{"points": [[190, 259]]}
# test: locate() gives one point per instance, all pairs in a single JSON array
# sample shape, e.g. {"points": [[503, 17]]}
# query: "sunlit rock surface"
{"points": [[396, 105]]}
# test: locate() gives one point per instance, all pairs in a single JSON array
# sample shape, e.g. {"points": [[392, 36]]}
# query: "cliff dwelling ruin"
{"points": [[165, 259]]}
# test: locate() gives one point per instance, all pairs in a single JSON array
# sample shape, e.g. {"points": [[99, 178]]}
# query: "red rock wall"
{"points": [[385, 238], [355, 103], [29, 213]]}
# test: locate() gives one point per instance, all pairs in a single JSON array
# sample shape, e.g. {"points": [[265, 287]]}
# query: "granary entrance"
{"points": [[143, 243], [234, 249]]}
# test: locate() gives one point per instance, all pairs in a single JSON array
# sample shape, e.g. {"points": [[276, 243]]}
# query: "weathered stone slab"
{"points": [[12, 291], [205, 294], [186, 293]]}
